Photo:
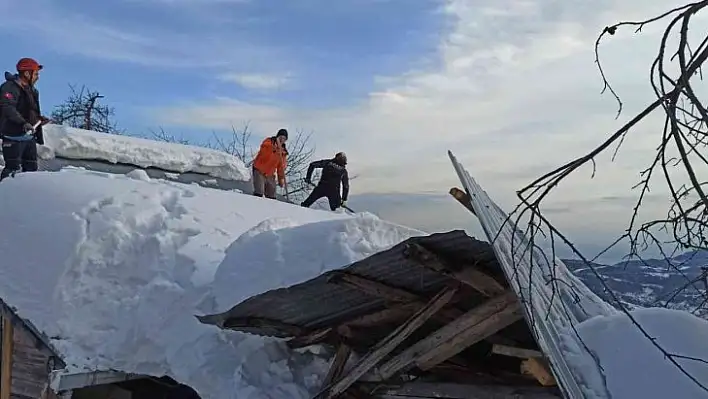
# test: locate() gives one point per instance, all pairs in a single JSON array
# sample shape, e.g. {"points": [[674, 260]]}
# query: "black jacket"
{"points": [[18, 105], [333, 174]]}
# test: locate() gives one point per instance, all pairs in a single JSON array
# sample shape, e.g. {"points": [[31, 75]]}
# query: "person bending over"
{"points": [[334, 176]]}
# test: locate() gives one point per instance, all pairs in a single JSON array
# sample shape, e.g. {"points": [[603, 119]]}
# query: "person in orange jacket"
{"points": [[270, 160]]}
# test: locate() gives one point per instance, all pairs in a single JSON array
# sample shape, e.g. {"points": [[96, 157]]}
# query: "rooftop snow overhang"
{"points": [[343, 295]]}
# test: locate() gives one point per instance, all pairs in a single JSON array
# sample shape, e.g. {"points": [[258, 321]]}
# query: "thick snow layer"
{"points": [[290, 256], [84, 144], [113, 268], [634, 368]]}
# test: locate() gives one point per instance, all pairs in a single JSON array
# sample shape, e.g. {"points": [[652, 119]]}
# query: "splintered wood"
{"points": [[389, 343], [470, 328]]}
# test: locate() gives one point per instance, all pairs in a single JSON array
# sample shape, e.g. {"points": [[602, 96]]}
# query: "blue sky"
{"points": [[509, 86], [147, 53]]}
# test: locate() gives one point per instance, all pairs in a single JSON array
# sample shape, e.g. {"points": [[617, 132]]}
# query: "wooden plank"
{"points": [[475, 325], [263, 323], [313, 338], [6, 357], [388, 344], [385, 291], [462, 198], [338, 363], [374, 288], [538, 368], [390, 314], [469, 275], [30, 360], [415, 390], [515, 352]]}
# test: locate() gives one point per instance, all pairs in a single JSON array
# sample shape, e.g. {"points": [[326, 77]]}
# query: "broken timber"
{"points": [[463, 198], [468, 329], [388, 344]]}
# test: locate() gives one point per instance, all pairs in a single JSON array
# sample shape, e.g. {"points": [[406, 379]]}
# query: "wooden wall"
{"points": [[24, 361]]}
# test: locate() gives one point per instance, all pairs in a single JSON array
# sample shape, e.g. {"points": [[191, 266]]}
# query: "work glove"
{"points": [[28, 128]]}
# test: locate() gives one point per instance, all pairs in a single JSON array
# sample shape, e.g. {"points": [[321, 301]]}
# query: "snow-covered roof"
{"points": [[113, 268], [66, 142]]}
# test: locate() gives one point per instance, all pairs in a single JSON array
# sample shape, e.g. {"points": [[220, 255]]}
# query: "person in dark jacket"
{"points": [[334, 174], [19, 114]]}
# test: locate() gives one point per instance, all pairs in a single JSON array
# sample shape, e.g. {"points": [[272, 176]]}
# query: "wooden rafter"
{"points": [[389, 343], [338, 363], [469, 275], [516, 352], [389, 293]]}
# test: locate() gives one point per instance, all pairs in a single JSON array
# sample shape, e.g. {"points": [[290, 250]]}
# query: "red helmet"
{"points": [[28, 64]]}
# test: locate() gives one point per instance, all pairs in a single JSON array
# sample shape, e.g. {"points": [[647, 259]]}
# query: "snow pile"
{"points": [[113, 268], [73, 143], [290, 257], [633, 367]]}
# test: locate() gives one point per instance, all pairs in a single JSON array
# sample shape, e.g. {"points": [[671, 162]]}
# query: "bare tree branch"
{"points": [[678, 161], [81, 110]]}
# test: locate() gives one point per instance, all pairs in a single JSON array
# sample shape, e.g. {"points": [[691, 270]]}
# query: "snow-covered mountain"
{"points": [[676, 284]]}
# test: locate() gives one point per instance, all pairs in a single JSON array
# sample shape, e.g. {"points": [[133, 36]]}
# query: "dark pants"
{"points": [[18, 155], [332, 194]]}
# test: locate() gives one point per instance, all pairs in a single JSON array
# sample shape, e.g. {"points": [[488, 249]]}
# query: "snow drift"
{"points": [[81, 144], [635, 368], [117, 266]]}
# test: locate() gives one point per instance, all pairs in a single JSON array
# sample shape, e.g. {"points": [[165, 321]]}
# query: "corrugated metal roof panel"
{"points": [[318, 303]]}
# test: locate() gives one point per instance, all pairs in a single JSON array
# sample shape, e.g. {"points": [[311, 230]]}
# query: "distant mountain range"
{"points": [[653, 283]]}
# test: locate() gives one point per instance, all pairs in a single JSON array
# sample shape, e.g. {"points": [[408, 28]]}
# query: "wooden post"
{"points": [[388, 344], [6, 357], [462, 198]]}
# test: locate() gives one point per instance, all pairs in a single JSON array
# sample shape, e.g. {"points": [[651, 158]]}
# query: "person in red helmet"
{"points": [[21, 120]]}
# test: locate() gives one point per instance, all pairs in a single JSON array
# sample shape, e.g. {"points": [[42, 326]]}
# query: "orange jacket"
{"points": [[270, 159]]}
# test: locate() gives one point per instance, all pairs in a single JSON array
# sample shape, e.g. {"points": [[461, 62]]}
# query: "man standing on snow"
{"points": [[334, 173], [19, 113], [271, 159]]}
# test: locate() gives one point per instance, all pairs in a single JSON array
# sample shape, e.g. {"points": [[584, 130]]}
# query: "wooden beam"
{"points": [[416, 389], [470, 328], [338, 363], [538, 368], [6, 349], [374, 288], [388, 344], [516, 352], [262, 323], [462, 198], [312, 338], [386, 292], [393, 313], [470, 275]]}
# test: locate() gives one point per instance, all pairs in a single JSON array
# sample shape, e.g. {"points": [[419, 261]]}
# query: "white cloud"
{"points": [[148, 44], [257, 81], [517, 94]]}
